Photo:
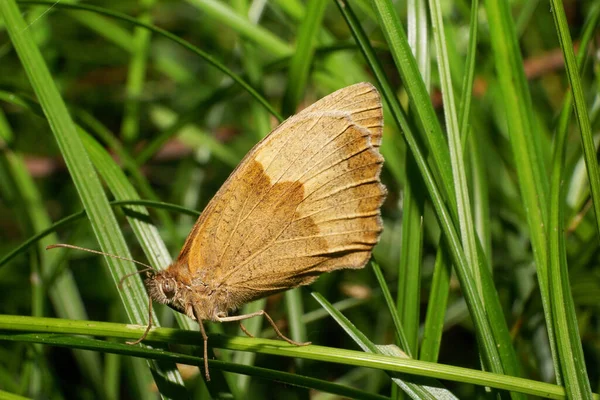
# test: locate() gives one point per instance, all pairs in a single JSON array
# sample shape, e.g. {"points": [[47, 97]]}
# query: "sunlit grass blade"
{"points": [[23, 325], [408, 301], [302, 58], [526, 149], [185, 44], [436, 307], [264, 373], [572, 361], [423, 389], [222, 12], [490, 324], [400, 335], [581, 111], [59, 284], [85, 179], [136, 75], [408, 70], [145, 231]]}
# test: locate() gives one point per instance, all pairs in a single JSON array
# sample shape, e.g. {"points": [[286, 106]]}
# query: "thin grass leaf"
{"points": [[136, 75], [267, 374], [302, 58], [207, 57], [146, 233], [30, 328], [222, 12], [423, 388], [11, 396], [408, 302], [419, 96], [463, 202], [86, 181], [437, 304], [589, 148], [572, 362], [392, 309], [467, 84], [492, 333], [525, 146]]}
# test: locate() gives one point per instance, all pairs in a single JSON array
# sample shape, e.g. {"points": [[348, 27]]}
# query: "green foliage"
{"points": [[489, 258]]}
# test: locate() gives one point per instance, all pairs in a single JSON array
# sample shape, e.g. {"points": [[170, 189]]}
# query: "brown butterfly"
{"points": [[305, 200]]}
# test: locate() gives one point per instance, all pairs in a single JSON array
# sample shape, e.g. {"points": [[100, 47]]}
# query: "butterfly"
{"points": [[305, 200]]}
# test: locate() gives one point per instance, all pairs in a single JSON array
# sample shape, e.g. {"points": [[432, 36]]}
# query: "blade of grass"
{"points": [[572, 361], [467, 84], [62, 291], [220, 11], [136, 74], [419, 389], [529, 162], [301, 60], [264, 373], [185, 44], [436, 309], [463, 202], [11, 325], [85, 179], [408, 302], [400, 336], [489, 321], [419, 97], [146, 233]]}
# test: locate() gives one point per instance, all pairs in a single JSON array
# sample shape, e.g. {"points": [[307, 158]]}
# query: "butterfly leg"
{"points": [[205, 338], [268, 317], [243, 328], [149, 324]]}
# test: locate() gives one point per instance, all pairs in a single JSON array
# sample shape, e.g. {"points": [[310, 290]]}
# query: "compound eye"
{"points": [[168, 288]]}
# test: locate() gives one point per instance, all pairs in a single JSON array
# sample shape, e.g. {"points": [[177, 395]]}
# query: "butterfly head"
{"points": [[165, 288]]}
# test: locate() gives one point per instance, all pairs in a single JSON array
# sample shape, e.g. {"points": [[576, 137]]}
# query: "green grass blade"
{"points": [[267, 374], [589, 148], [490, 325], [220, 11], [463, 202], [14, 326], [302, 58], [572, 361], [392, 309], [436, 310], [421, 389], [525, 146], [204, 55], [419, 96], [136, 75], [86, 181], [408, 302]]}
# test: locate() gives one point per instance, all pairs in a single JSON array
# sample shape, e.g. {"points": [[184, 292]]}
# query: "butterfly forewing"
{"points": [[305, 200]]}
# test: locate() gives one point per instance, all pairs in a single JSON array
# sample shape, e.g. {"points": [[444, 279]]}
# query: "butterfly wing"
{"points": [[305, 200]]}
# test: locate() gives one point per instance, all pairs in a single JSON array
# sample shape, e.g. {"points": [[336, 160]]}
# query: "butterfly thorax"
{"points": [[175, 288]]}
